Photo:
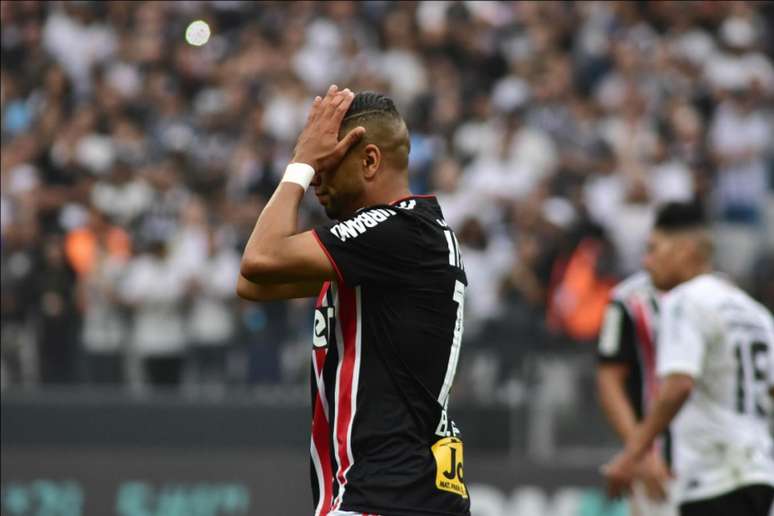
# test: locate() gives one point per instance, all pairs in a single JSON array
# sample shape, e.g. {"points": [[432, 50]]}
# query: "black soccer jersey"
{"points": [[628, 337], [387, 337]]}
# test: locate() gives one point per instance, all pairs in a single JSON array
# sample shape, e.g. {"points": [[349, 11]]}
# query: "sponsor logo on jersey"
{"points": [[449, 474], [358, 225], [323, 322]]}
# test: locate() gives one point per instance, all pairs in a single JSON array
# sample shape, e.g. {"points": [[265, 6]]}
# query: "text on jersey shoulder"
{"points": [[358, 225]]}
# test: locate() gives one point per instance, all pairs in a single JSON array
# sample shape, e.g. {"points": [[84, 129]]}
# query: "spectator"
{"points": [[86, 246], [211, 324], [56, 316], [739, 136], [105, 335], [458, 203], [487, 259], [581, 280], [518, 161], [154, 288]]}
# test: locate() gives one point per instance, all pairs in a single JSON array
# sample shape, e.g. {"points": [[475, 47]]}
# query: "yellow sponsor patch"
{"points": [[448, 461]]}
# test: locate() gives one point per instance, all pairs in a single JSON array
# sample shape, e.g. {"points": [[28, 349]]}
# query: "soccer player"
{"points": [[717, 370], [390, 284], [626, 383]]}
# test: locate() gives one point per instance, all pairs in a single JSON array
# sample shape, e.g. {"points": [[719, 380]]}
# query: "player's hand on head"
{"points": [[318, 144]]}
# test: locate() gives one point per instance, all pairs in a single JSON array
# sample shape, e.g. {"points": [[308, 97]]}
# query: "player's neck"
{"points": [[695, 271], [385, 192], [388, 194]]}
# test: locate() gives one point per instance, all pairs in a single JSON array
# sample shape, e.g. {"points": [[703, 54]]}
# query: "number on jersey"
{"points": [[751, 366]]}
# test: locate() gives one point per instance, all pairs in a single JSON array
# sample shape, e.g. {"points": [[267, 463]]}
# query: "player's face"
{"points": [[339, 190], [663, 259]]}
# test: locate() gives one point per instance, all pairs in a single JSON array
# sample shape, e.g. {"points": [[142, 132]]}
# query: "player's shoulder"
{"points": [[419, 206], [691, 289], [398, 219], [706, 291], [369, 222], [637, 283], [415, 211]]}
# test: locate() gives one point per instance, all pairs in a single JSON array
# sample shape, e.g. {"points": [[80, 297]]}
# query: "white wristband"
{"points": [[299, 173]]}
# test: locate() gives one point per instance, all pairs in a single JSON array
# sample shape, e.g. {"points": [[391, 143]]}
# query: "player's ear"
{"points": [[372, 160]]}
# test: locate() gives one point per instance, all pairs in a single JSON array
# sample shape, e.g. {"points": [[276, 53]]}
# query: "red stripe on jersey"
{"points": [[321, 431], [319, 354], [320, 442], [318, 359], [330, 258], [324, 290], [345, 385], [642, 324]]}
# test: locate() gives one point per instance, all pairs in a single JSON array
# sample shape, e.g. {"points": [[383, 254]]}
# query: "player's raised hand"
{"points": [[318, 144]]}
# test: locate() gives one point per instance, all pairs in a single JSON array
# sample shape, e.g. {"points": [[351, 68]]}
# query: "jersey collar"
{"points": [[393, 203]]}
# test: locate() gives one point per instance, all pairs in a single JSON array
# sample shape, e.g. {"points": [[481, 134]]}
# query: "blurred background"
{"points": [[134, 165]]}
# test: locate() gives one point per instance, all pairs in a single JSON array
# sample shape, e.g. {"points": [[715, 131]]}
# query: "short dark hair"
{"points": [[676, 216], [368, 104]]}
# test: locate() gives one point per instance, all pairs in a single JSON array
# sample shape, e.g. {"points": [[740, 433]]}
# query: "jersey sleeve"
{"points": [[682, 342], [377, 245], [617, 342]]}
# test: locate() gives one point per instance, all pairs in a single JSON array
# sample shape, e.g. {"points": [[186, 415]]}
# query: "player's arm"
{"points": [[673, 393], [611, 390], [615, 353], [275, 253], [246, 289]]}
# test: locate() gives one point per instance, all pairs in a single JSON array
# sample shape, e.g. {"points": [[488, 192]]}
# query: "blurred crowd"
{"points": [[134, 166]]}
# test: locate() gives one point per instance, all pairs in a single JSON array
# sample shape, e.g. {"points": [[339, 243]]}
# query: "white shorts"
{"points": [[641, 504]]}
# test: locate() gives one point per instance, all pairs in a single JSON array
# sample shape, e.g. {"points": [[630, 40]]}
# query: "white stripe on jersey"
{"points": [[318, 371], [353, 395], [355, 383], [340, 347], [452, 252], [610, 336], [454, 353]]}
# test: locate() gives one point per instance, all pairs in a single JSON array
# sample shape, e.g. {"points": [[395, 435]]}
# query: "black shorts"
{"points": [[752, 500]]}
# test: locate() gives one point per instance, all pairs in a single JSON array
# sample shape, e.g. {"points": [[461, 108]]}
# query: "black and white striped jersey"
{"points": [[387, 337]]}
